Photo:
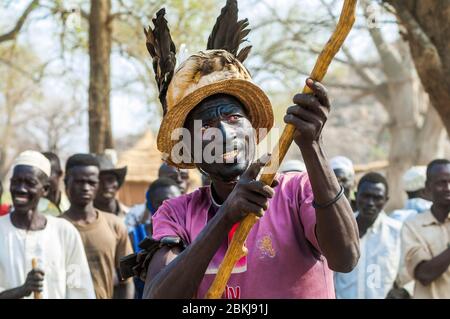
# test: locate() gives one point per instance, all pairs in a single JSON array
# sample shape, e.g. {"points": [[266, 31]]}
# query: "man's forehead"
{"points": [[108, 175], [372, 187], [440, 169], [216, 105], [84, 170], [27, 171]]}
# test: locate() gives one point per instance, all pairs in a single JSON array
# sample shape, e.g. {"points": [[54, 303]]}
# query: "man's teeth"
{"points": [[21, 198], [230, 155]]}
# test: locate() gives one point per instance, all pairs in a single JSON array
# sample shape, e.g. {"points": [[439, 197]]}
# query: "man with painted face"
{"points": [[377, 268], [104, 235], [214, 117], [27, 234], [110, 181], [426, 238]]}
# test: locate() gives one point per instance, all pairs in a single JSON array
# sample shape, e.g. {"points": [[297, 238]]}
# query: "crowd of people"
{"points": [[79, 233], [318, 234], [405, 253], [66, 242]]}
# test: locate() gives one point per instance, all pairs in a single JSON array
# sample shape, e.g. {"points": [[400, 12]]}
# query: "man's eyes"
{"points": [[88, 182], [234, 118], [30, 183], [231, 118], [375, 198], [442, 183]]}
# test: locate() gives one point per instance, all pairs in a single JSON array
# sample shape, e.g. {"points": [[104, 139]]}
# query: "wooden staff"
{"points": [[237, 250], [34, 264]]}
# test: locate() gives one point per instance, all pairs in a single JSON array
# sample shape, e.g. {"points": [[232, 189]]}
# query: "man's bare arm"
{"points": [[428, 271], [175, 274], [336, 228]]}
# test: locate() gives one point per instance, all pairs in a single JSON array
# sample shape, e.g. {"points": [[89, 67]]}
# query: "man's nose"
{"points": [[370, 202], [20, 188], [447, 186], [228, 131]]}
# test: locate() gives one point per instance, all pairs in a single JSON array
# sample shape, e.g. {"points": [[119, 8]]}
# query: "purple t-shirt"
{"points": [[284, 258]]}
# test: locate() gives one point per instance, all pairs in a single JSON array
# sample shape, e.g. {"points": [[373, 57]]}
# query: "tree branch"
{"points": [[429, 50], [12, 34]]}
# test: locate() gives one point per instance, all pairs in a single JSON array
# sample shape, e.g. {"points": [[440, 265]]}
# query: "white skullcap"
{"points": [[343, 163], [35, 159], [292, 166], [414, 178]]}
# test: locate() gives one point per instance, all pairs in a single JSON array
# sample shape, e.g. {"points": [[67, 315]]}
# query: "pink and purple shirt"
{"points": [[284, 258]]}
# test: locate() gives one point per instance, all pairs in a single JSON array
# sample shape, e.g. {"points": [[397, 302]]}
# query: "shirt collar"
{"points": [[375, 227], [211, 197], [429, 219]]}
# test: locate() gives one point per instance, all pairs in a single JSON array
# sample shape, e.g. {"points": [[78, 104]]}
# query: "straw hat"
{"points": [[202, 75], [107, 166]]}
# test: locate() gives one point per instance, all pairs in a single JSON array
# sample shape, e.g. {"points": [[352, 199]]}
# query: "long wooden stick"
{"points": [[34, 264], [236, 250]]}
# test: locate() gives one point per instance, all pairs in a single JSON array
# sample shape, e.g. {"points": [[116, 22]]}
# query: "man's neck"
{"points": [[29, 220], [85, 214], [441, 212], [364, 223], [222, 190], [109, 206]]}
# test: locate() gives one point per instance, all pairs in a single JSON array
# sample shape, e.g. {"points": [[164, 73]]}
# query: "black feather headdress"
{"points": [[163, 51], [229, 33]]}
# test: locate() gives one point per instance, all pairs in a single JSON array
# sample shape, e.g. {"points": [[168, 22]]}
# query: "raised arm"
{"points": [[336, 227]]}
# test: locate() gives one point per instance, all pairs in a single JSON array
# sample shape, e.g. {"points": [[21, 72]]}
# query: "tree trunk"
{"points": [[431, 140], [403, 128], [100, 38], [427, 25], [403, 99]]}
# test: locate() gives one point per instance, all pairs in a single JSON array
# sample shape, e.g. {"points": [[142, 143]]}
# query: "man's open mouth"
{"points": [[20, 199], [230, 156], [108, 194]]}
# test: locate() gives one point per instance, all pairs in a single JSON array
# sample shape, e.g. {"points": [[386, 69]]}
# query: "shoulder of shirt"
{"points": [[61, 222], [419, 219], [5, 220], [113, 220], [392, 223], [110, 217]]}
